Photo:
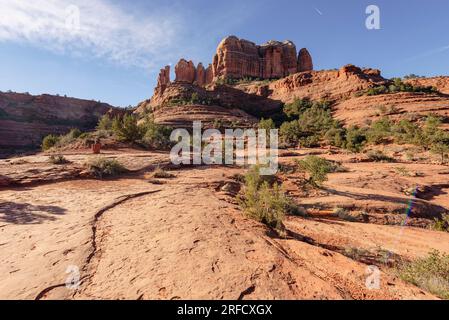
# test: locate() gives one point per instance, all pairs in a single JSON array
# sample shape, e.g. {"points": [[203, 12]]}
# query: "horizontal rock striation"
{"points": [[26, 119], [238, 59]]}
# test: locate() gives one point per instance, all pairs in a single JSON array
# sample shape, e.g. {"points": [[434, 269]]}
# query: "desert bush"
{"points": [[430, 273], [297, 107], [379, 131], [49, 142], [103, 167], [316, 120], [345, 215], [156, 136], [317, 168], [379, 156], [58, 159], [159, 173], [69, 138], [267, 124], [441, 224], [398, 86], [355, 139], [264, 200], [408, 132], [290, 133], [336, 137], [105, 123], [127, 129], [403, 172]]}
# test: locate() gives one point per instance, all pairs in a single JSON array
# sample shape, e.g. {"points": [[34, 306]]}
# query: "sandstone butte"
{"points": [[238, 59]]}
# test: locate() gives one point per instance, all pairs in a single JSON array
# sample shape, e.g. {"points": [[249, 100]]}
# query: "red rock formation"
{"points": [[200, 77], [238, 58], [305, 62], [185, 71], [163, 80], [278, 59], [209, 74]]}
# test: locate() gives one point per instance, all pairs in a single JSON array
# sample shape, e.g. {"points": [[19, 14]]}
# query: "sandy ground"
{"points": [[185, 239]]}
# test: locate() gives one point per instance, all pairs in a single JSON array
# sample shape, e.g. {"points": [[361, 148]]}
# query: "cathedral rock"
{"points": [[237, 59]]}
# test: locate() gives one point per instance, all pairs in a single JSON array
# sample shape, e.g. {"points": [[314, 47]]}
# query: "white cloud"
{"points": [[105, 30]]}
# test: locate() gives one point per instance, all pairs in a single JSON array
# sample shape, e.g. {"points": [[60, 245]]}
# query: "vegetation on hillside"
{"points": [[310, 124], [397, 86], [430, 273]]}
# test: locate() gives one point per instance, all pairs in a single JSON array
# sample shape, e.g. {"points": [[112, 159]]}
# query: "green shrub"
{"points": [[317, 168], [103, 167], [430, 273], [398, 86], [355, 139], [290, 133], [49, 142], [127, 129], [58, 159], [69, 138], [336, 137], [156, 136], [267, 124], [296, 108], [379, 131], [161, 174], [441, 224], [379, 156], [105, 123], [264, 201], [316, 120]]}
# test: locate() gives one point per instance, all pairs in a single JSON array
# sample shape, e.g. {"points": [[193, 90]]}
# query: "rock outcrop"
{"points": [[440, 83], [209, 74], [200, 76], [26, 119], [305, 62], [185, 71], [238, 58], [163, 80]]}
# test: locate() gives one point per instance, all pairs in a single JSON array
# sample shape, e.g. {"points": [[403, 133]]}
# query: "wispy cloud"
{"points": [[104, 30], [427, 54]]}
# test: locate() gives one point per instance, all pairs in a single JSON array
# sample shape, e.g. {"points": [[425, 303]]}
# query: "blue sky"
{"points": [[118, 47]]}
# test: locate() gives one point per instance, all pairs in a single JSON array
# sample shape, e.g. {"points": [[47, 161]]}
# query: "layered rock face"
{"points": [[237, 59], [25, 119]]}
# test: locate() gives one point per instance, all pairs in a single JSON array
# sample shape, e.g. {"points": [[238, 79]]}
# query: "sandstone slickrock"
{"points": [[305, 62], [185, 71]]}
